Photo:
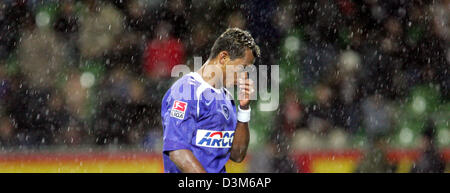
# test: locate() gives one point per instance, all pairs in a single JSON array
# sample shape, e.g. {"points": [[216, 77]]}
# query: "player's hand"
{"points": [[246, 90]]}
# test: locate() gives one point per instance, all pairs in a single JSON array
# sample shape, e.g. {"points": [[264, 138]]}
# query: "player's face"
{"points": [[247, 60]]}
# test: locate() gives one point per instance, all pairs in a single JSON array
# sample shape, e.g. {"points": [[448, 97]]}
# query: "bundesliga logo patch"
{"points": [[178, 109], [215, 139]]}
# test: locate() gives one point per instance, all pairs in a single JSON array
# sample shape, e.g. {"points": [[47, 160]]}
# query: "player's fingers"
{"points": [[251, 86], [243, 86], [243, 78], [244, 96], [243, 75], [243, 81], [252, 90], [248, 83], [248, 89], [247, 92]]}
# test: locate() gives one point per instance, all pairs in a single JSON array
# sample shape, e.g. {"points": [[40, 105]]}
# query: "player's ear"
{"points": [[224, 57]]}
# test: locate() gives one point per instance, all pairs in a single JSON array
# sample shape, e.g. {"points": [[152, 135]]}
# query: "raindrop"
{"points": [[87, 79], [419, 104], [42, 19], [406, 136]]}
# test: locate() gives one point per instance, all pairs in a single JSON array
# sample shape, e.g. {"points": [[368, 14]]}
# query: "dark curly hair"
{"points": [[234, 41]]}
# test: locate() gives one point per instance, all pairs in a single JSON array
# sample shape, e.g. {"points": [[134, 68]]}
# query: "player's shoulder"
{"points": [[184, 88], [198, 85], [192, 88], [187, 80]]}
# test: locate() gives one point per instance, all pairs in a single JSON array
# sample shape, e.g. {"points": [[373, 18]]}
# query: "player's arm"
{"points": [[185, 160], [242, 134], [240, 142], [179, 127]]}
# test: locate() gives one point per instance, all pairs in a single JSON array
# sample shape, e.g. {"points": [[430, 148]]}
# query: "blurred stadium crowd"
{"points": [[353, 72]]}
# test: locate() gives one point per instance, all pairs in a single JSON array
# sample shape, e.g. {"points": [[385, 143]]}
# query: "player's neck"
{"points": [[208, 72]]}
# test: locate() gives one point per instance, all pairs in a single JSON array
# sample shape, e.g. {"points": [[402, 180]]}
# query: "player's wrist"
{"points": [[243, 115], [244, 107]]}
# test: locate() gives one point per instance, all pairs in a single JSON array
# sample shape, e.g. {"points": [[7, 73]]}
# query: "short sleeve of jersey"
{"points": [[179, 119]]}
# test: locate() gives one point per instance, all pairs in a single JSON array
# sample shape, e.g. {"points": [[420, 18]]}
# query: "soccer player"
{"points": [[203, 128]]}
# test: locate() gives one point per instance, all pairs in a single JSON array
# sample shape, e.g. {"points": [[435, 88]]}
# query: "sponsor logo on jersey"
{"points": [[178, 109], [215, 139]]}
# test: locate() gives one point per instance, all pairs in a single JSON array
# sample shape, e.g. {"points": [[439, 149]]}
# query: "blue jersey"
{"points": [[200, 118]]}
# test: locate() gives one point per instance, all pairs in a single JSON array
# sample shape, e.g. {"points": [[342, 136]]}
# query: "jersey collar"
{"points": [[199, 78]]}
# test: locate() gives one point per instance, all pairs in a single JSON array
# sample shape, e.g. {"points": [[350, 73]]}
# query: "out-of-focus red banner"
{"points": [[342, 161], [90, 162], [346, 161]]}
